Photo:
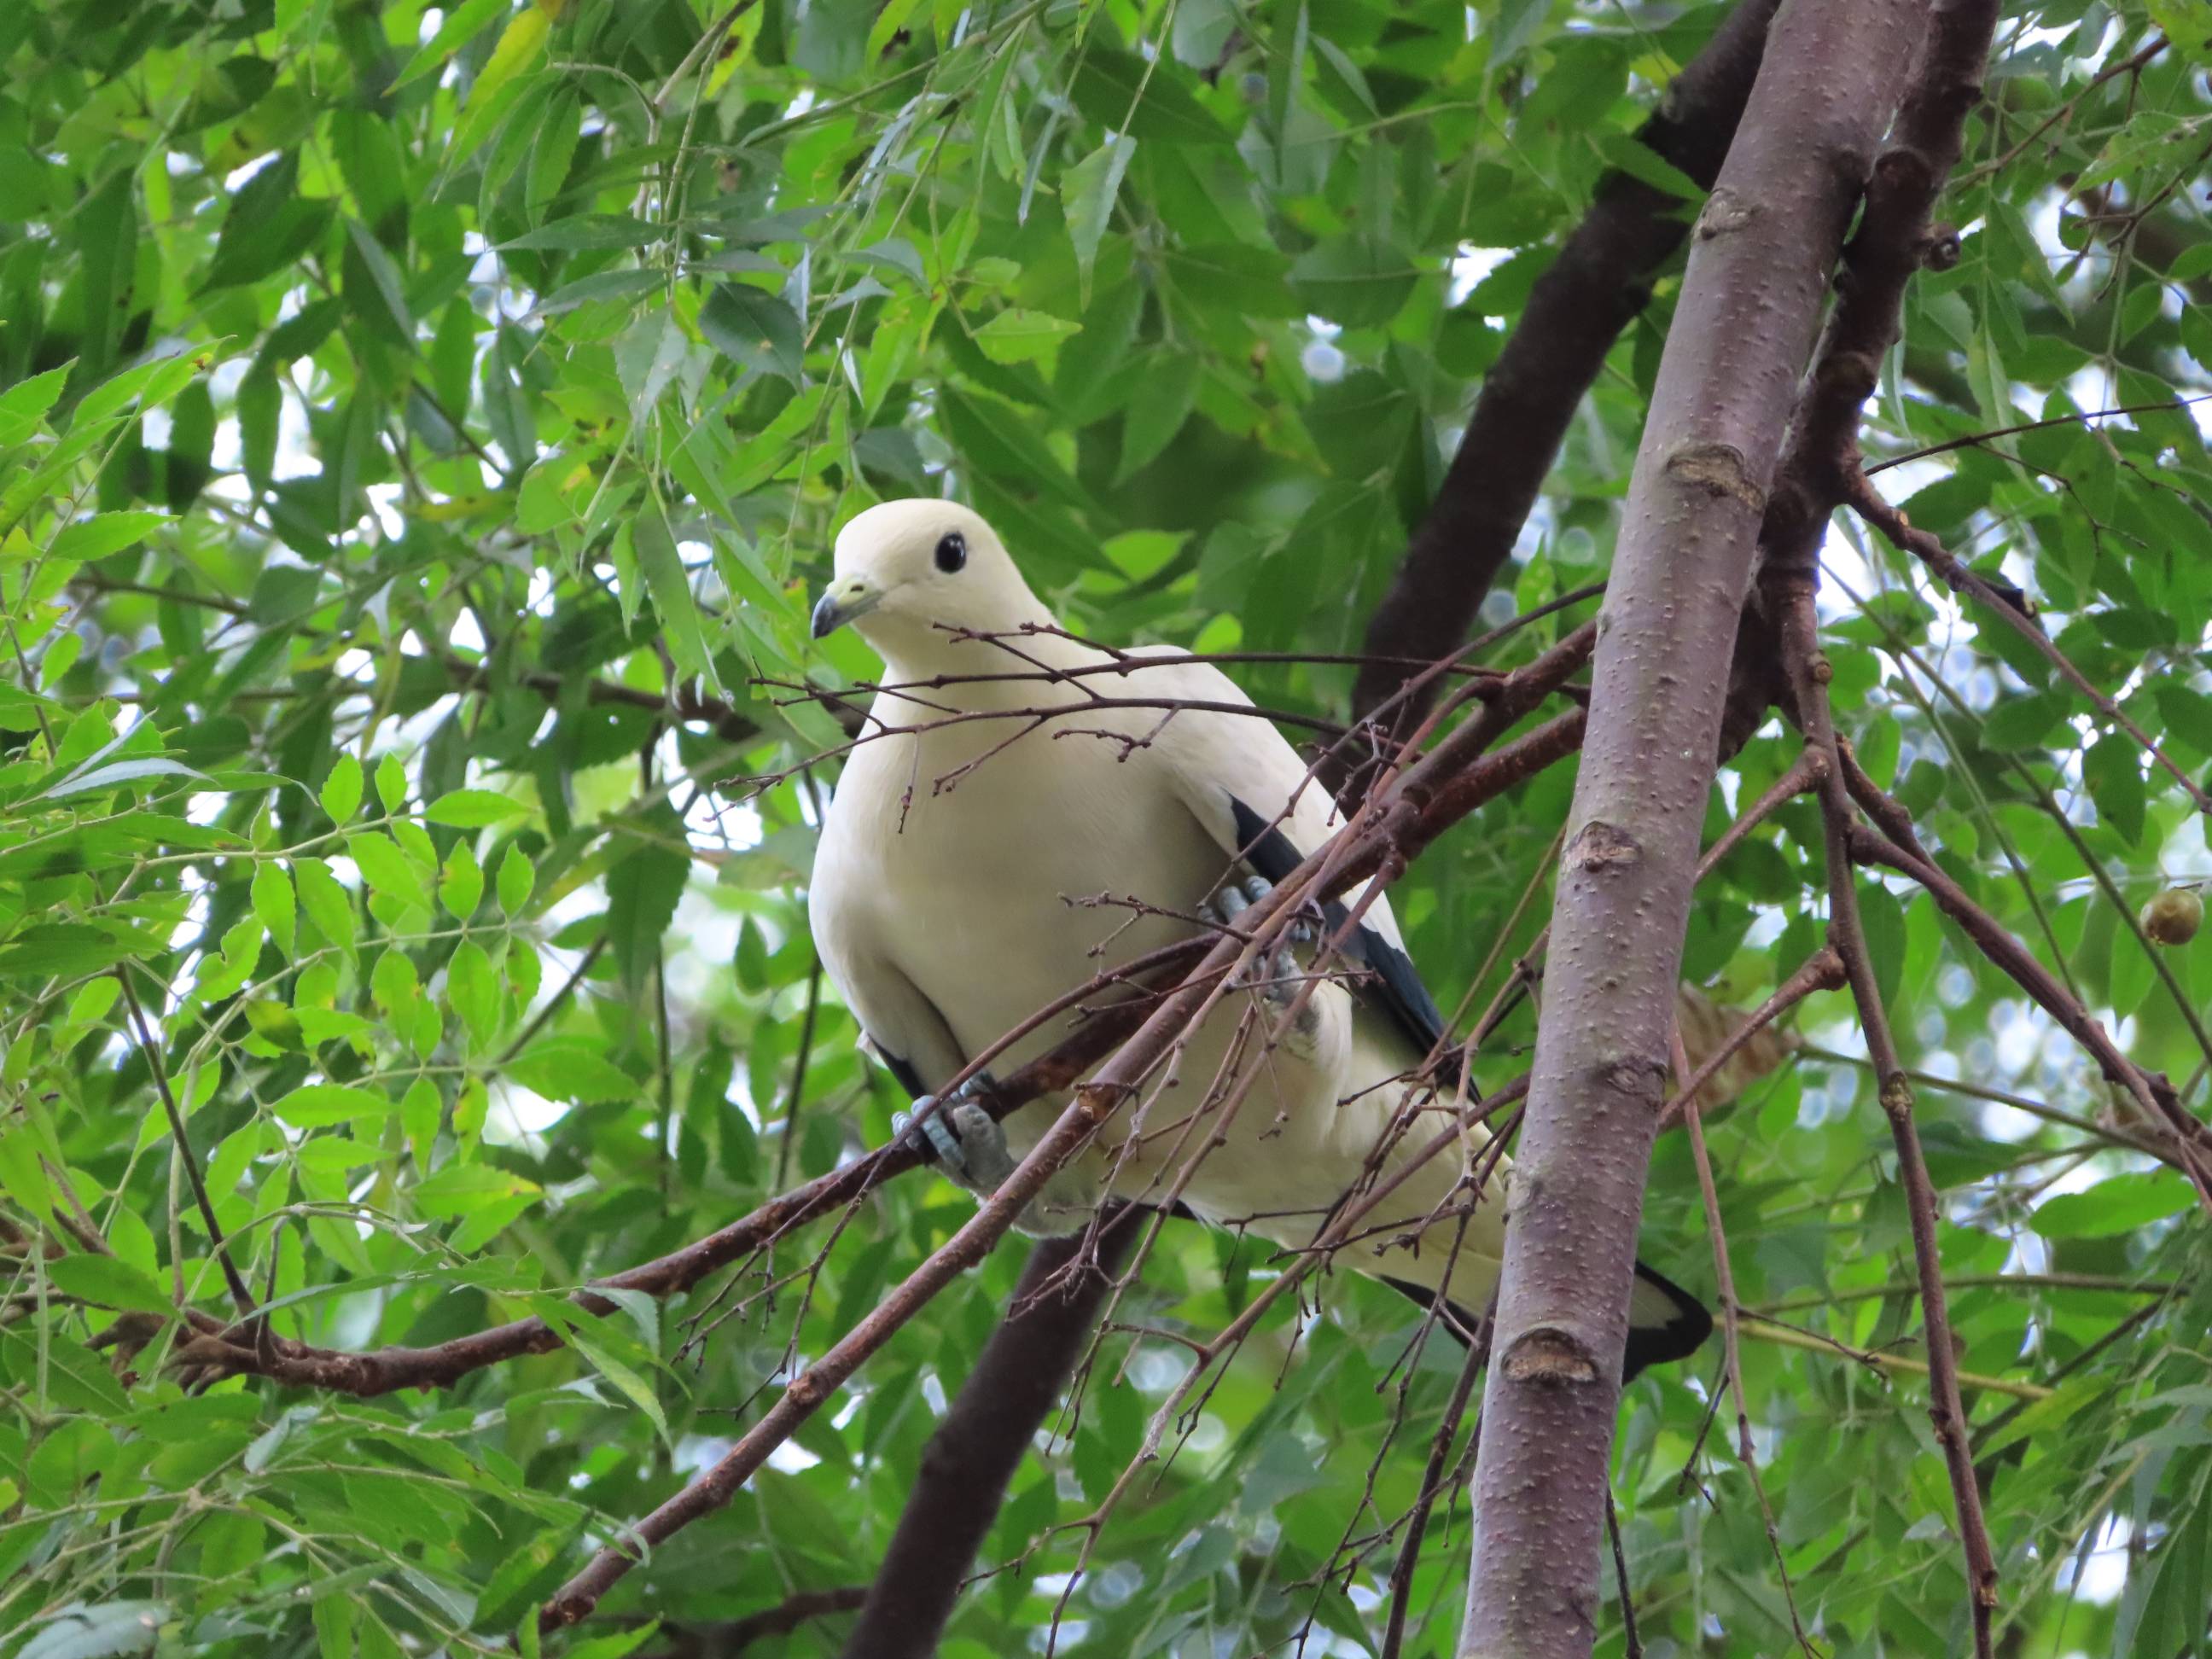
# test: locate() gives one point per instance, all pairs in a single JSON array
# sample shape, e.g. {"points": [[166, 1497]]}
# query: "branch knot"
{"points": [[1718, 469], [1599, 846], [1548, 1354]]}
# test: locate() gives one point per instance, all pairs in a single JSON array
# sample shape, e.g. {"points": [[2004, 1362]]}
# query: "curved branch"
{"points": [[1595, 288]]}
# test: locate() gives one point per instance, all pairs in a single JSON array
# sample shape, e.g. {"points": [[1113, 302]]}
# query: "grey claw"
{"points": [[1256, 888], [924, 1130], [935, 1134]]}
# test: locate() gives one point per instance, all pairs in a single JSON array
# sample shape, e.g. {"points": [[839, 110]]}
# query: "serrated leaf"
{"points": [[387, 870], [104, 1281], [460, 887], [516, 878], [340, 791], [667, 580], [1018, 337], [1088, 193], [573, 1070], [104, 533], [273, 902], [392, 783], [319, 1105], [473, 809], [752, 326]]}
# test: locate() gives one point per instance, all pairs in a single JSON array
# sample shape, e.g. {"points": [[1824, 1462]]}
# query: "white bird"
{"points": [[982, 806]]}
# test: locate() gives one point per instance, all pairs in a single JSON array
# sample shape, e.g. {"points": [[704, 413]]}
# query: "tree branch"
{"points": [[957, 1492], [1757, 276], [1598, 284]]}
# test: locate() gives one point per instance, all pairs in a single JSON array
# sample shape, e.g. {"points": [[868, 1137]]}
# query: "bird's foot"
{"points": [[969, 1144], [1277, 977], [960, 1135]]}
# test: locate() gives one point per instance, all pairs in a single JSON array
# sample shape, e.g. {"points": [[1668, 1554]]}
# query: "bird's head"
{"points": [[908, 571]]}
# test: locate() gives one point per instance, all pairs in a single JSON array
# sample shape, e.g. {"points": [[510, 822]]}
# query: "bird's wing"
{"points": [[1254, 794], [1242, 779]]}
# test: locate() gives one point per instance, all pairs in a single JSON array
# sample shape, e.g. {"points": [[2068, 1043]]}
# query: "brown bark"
{"points": [[965, 1467], [1577, 309], [1750, 298]]}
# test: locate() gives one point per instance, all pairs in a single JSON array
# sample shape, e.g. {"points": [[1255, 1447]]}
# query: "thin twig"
{"points": [[1731, 1335], [239, 1294]]}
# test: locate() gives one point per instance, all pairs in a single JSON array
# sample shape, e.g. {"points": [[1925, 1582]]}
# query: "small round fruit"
{"points": [[2174, 916]]}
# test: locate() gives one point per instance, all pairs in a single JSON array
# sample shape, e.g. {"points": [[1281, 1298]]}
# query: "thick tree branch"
{"points": [[1016, 1380], [1757, 273], [1598, 284]]}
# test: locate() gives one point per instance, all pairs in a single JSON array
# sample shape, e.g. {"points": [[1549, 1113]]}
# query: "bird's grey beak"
{"points": [[841, 602]]}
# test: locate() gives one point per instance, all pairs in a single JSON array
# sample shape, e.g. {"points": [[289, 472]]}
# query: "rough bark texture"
{"points": [[986, 1428], [1594, 289], [1759, 268]]}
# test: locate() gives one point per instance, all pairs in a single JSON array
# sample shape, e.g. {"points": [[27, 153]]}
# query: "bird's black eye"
{"points": [[952, 551]]}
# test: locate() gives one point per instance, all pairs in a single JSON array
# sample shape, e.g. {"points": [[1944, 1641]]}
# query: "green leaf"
{"points": [[1883, 919], [110, 1629], [328, 904], [2119, 1204], [591, 1343], [460, 888], [374, 288], [1088, 193], [752, 326], [574, 1070], [340, 791], [1356, 281], [472, 987], [388, 869], [643, 888], [459, 1188], [392, 784], [24, 404], [516, 877], [270, 225], [319, 1105], [473, 809], [458, 26], [108, 1283], [588, 232], [2024, 722], [1159, 404], [1148, 100], [1018, 337], [1625, 153], [273, 902], [671, 587], [104, 534]]}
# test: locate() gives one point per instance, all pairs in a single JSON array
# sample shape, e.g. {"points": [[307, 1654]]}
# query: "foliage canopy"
{"points": [[421, 433]]}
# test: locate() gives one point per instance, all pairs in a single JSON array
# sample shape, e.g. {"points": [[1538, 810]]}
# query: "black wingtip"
{"points": [[1677, 1339], [1682, 1335]]}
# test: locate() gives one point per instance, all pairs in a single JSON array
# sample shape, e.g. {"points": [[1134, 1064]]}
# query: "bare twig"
{"points": [[241, 1297]]}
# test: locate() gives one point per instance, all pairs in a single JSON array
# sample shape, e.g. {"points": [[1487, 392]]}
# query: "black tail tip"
{"points": [[1679, 1337], [1681, 1334]]}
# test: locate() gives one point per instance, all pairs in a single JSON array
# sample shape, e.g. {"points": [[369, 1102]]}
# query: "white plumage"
{"points": [[950, 901]]}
